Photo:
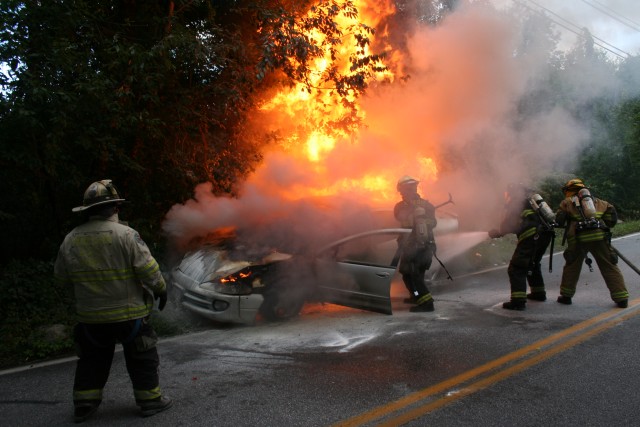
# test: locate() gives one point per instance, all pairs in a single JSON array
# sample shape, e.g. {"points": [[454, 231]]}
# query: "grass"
{"points": [[496, 252], [626, 227]]}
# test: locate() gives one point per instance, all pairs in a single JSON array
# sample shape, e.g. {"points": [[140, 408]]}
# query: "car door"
{"points": [[357, 271]]}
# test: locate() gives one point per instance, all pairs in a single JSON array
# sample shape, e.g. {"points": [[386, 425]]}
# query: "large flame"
{"points": [[314, 146], [446, 113]]}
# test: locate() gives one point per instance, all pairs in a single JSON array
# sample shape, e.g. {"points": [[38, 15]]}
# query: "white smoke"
{"points": [[460, 105]]}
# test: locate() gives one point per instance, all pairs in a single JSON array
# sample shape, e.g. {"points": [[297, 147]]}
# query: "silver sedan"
{"points": [[355, 271]]}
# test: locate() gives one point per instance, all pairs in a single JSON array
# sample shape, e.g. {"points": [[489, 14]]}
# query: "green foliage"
{"points": [[31, 301], [153, 95], [609, 164], [626, 227]]}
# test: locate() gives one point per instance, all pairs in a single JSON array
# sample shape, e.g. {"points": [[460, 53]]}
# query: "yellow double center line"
{"points": [[419, 403]]}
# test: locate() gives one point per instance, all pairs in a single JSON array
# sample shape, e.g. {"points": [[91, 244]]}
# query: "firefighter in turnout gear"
{"points": [[115, 280], [587, 221], [531, 220], [417, 249]]}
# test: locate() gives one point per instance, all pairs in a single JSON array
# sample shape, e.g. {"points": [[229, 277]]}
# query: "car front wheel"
{"points": [[279, 306]]}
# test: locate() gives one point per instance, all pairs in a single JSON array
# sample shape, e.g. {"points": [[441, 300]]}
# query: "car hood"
{"points": [[211, 262]]}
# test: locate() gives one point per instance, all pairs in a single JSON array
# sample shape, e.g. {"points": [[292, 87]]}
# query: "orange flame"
{"points": [[305, 116], [235, 277]]}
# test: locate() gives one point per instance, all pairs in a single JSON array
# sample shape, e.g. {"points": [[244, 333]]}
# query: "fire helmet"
{"points": [[573, 186], [405, 182], [99, 193]]}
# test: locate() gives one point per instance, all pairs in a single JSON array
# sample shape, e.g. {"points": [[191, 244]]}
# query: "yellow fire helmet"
{"points": [[99, 193], [406, 181], [573, 186]]}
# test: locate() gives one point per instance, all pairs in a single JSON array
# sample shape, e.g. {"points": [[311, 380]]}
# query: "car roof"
{"points": [[366, 234]]}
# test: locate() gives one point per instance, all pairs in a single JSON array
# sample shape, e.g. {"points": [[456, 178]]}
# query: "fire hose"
{"points": [[626, 260]]}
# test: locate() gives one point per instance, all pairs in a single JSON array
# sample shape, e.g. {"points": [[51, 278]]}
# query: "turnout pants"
{"points": [[525, 266], [95, 345], [413, 265], [607, 261]]}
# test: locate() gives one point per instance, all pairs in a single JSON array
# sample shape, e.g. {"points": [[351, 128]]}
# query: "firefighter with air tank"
{"points": [[587, 221], [418, 248], [529, 217]]}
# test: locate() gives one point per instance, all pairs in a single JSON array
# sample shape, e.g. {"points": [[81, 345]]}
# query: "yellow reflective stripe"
{"points": [[142, 395], [617, 296], [105, 316], [102, 275], [95, 394], [590, 235], [527, 233], [149, 270], [518, 295], [577, 217], [527, 212], [567, 292], [424, 298]]}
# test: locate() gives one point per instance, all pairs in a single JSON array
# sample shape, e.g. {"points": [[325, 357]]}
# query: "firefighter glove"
{"points": [[162, 297]]}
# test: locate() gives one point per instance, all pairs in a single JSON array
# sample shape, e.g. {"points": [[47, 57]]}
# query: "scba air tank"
{"points": [[539, 205], [420, 224], [586, 201]]}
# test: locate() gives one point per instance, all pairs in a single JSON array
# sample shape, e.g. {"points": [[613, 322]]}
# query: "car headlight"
{"points": [[239, 283]]}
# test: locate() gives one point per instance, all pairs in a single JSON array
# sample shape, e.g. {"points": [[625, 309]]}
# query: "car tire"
{"points": [[278, 306]]}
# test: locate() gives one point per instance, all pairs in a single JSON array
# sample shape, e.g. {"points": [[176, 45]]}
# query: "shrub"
{"points": [[31, 303]]}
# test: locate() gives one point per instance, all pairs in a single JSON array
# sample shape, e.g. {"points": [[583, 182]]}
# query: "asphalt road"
{"points": [[470, 363]]}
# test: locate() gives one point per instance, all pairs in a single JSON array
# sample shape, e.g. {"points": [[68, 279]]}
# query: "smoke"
{"points": [[459, 106], [612, 21], [261, 218]]}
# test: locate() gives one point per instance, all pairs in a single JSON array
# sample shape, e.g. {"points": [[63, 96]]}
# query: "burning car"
{"points": [[226, 282], [355, 271]]}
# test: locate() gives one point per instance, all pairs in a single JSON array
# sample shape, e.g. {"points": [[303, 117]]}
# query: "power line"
{"points": [[613, 14], [576, 32], [580, 30]]}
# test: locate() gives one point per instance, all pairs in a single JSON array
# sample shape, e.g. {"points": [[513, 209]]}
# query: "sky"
{"points": [[615, 22]]}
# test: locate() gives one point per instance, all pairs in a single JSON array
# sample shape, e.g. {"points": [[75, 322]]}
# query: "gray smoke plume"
{"points": [[477, 99]]}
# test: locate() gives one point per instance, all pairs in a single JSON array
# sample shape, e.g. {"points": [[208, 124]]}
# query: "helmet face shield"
{"points": [[99, 193], [406, 184]]}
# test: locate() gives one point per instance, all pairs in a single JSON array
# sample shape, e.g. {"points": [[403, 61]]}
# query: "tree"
{"points": [[150, 94]]}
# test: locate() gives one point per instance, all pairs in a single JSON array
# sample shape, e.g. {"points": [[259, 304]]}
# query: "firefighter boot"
{"points": [[519, 305], [84, 410], [425, 306], [152, 407], [537, 296], [623, 303], [564, 300]]}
